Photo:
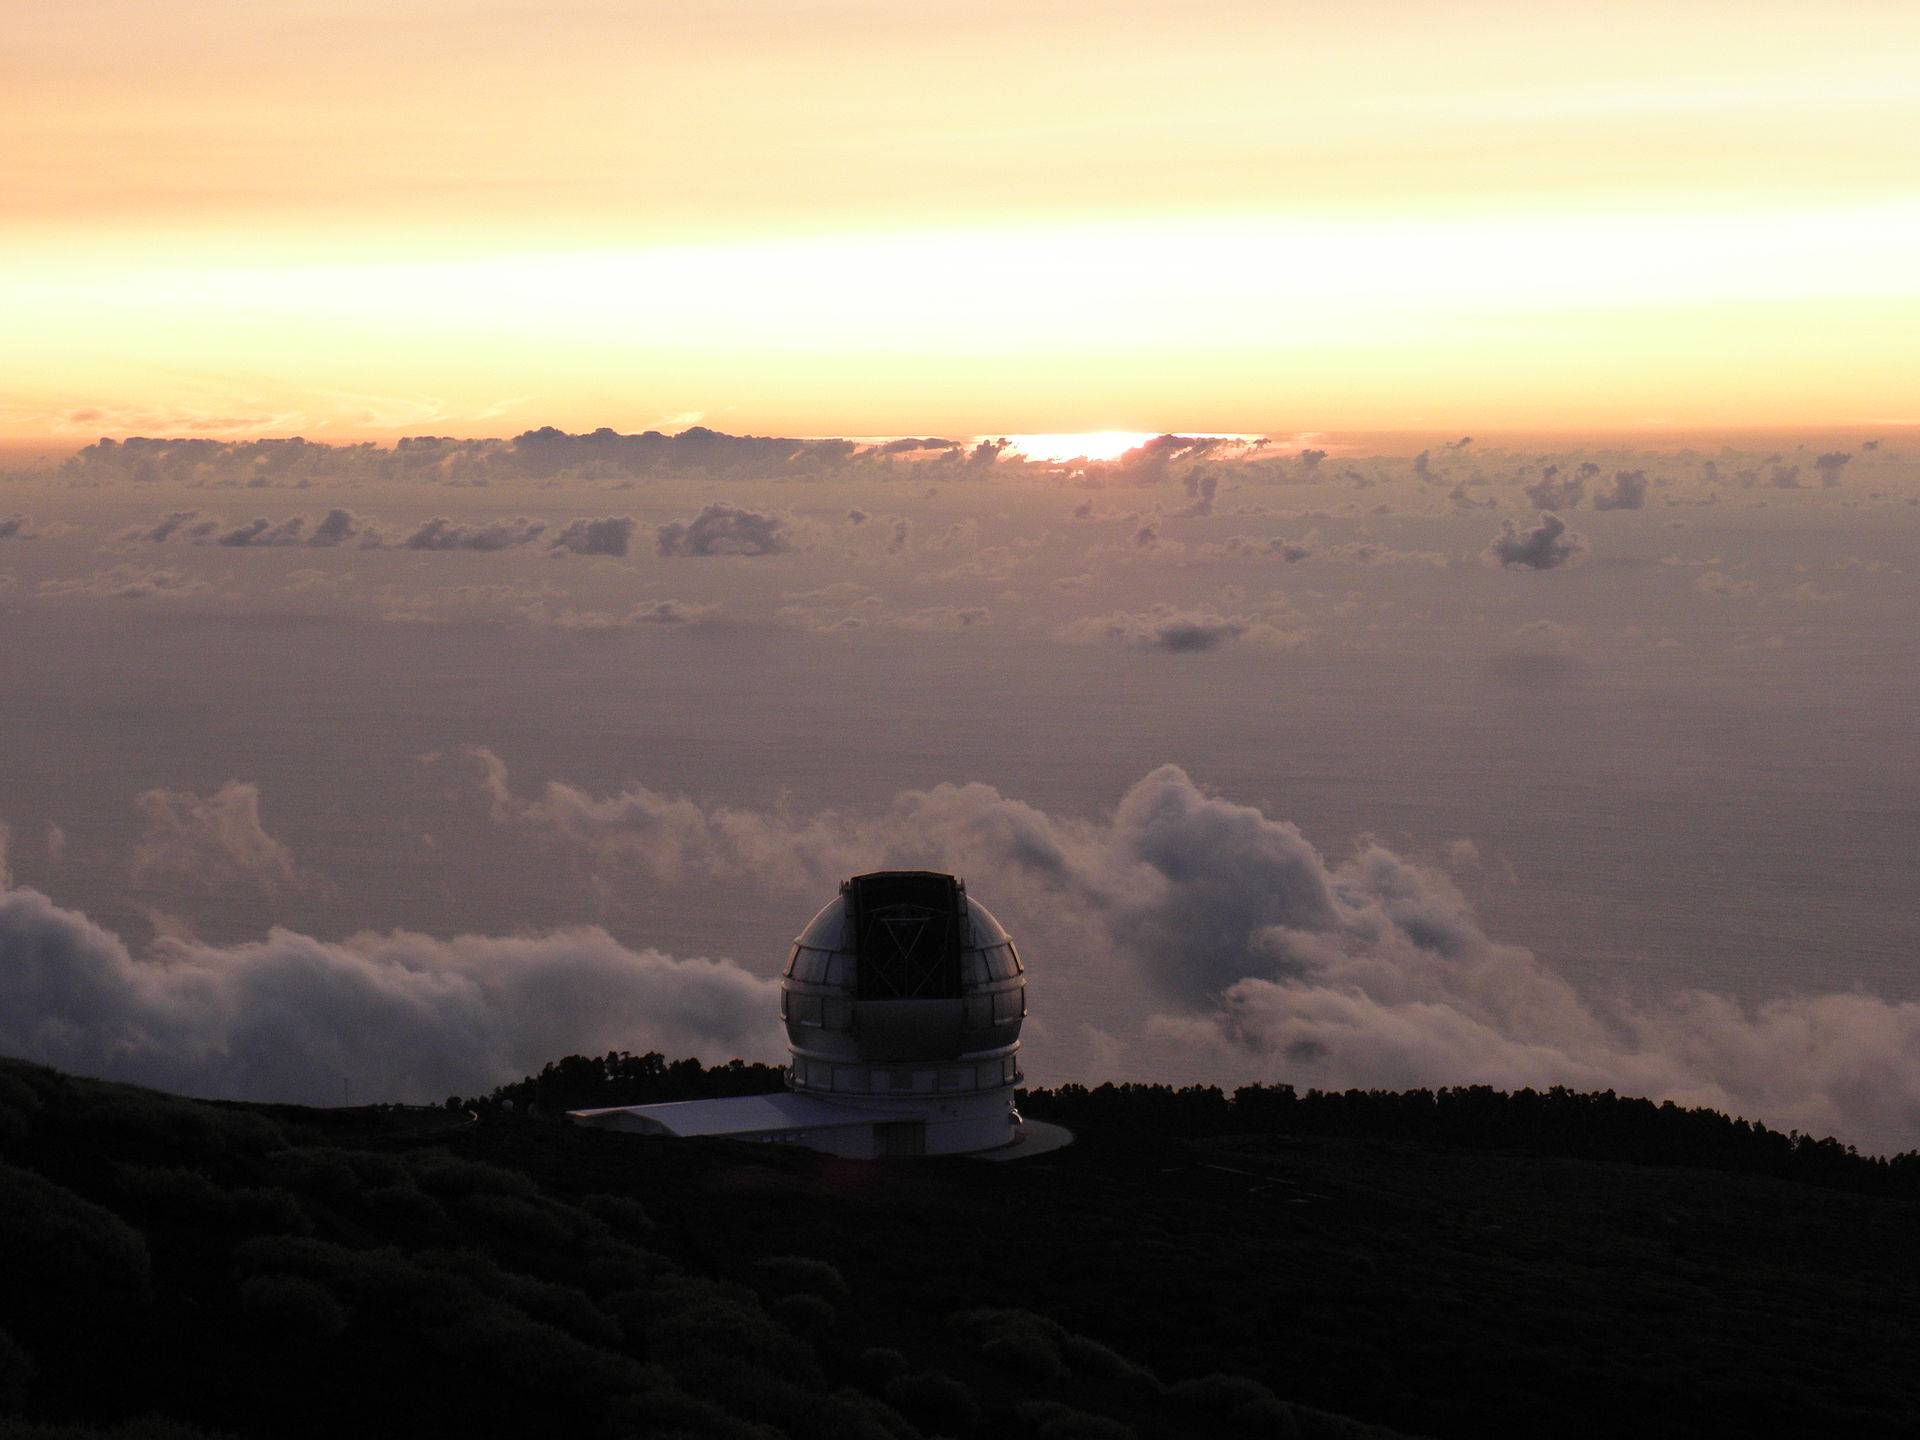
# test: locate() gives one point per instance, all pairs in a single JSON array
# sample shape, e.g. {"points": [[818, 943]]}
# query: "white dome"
{"points": [[903, 981]]}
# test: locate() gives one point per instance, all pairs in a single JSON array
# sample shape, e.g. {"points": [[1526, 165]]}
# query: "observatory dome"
{"points": [[904, 985], [903, 1000]]}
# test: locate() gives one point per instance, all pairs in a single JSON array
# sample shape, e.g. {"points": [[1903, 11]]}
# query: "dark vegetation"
{"points": [[1560, 1122], [171, 1269], [593, 1082]]}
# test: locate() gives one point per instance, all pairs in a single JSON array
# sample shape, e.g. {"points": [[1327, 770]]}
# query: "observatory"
{"points": [[903, 1000]]}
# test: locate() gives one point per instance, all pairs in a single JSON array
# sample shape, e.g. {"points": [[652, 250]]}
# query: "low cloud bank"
{"points": [[612, 535], [534, 455], [397, 1016], [1221, 941]]}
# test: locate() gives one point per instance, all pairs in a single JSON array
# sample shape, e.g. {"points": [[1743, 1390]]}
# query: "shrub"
{"points": [[1016, 1340], [441, 1173], [561, 1306], [18, 1105], [1268, 1417], [16, 1373], [174, 1193], [1050, 1420], [290, 1307], [270, 1212], [403, 1211], [313, 1171], [1219, 1394], [806, 1315], [516, 1221], [879, 1365], [852, 1415], [67, 1261], [623, 1215], [151, 1427], [935, 1401], [665, 1412], [1089, 1357], [783, 1273]]}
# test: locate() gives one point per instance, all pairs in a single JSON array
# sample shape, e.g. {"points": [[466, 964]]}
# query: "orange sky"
{"points": [[358, 218]]}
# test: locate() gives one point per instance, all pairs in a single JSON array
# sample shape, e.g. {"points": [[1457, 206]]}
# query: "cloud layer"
{"points": [[397, 1016], [1255, 955]]}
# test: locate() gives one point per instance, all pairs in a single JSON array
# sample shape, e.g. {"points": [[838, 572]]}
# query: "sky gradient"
{"points": [[349, 219]]}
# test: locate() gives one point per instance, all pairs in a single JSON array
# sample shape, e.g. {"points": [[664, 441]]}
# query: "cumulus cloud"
{"points": [[897, 540], [1265, 958], [1180, 632], [337, 527], [264, 533], [440, 533], [1556, 491], [127, 582], [847, 608], [400, 1015], [647, 612], [16, 527], [722, 529], [1201, 486], [1250, 547], [1716, 582], [1538, 652], [1629, 492], [1545, 547], [211, 844], [1155, 460], [945, 617], [170, 525], [610, 536], [1372, 552], [334, 528], [1830, 465]]}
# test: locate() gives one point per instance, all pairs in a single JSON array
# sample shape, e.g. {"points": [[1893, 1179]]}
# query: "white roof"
{"points": [[732, 1115]]}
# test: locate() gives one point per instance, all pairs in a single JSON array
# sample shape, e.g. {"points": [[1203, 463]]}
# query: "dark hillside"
{"points": [[277, 1271]]}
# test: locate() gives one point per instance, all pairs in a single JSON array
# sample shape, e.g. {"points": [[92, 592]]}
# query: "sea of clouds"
{"points": [[1562, 626]]}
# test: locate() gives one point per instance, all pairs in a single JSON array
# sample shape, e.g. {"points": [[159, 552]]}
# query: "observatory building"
{"points": [[903, 1000]]}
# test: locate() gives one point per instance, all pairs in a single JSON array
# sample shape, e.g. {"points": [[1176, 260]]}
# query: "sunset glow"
{"points": [[238, 220]]}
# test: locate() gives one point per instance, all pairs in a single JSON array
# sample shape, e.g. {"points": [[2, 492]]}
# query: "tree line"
{"points": [[1591, 1125], [1560, 1122]]}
